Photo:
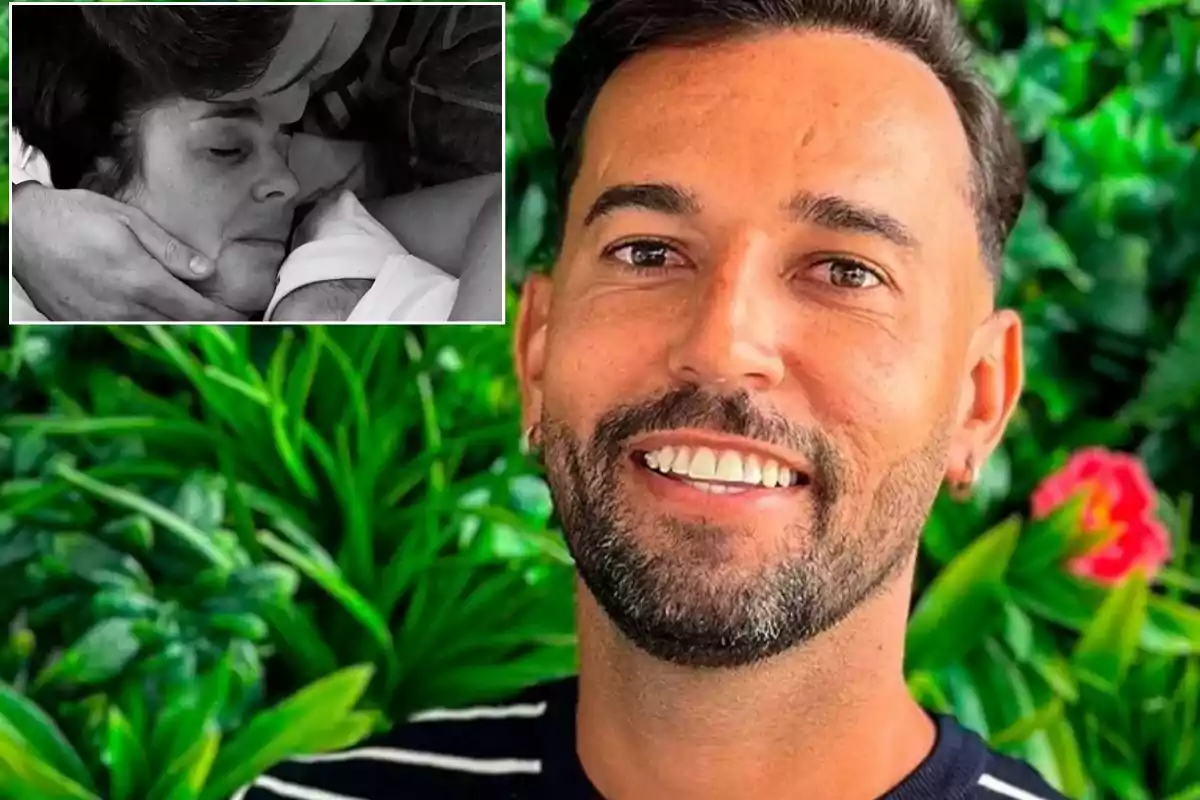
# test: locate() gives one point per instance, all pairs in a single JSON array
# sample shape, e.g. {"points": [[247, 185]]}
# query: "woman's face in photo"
{"points": [[320, 40], [215, 175]]}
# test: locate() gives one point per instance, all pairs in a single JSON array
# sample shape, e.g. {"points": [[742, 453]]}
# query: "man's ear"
{"points": [[990, 392], [529, 345]]}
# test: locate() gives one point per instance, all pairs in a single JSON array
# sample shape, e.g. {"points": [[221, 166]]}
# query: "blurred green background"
{"points": [[291, 537]]}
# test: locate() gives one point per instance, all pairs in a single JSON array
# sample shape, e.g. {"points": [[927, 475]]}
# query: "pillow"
{"points": [[340, 240]]}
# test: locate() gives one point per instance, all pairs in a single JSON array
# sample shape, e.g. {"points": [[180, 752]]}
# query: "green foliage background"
{"points": [[225, 522]]}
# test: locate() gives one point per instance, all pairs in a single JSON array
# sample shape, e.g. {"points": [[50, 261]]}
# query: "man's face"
{"points": [[319, 41], [768, 339]]}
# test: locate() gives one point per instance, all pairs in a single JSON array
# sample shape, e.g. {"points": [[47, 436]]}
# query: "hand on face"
{"points": [[82, 256]]}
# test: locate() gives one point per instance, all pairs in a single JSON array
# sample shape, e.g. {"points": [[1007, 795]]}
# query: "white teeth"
{"points": [[729, 468], [704, 464], [770, 475], [752, 469], [706, 467], [717, 488]]}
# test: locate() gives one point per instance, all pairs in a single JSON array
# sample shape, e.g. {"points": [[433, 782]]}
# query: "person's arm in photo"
{"points": [[457, 227], [436, 224]]}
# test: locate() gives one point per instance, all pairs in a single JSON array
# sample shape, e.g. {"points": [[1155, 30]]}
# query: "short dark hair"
{"points": [[74, 89], [613, 31], [200, 51]]}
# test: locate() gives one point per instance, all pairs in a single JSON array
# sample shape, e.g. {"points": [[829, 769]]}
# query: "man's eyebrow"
{"points": [[839, 214], [308, 66], [232, 111], [661, 197]]}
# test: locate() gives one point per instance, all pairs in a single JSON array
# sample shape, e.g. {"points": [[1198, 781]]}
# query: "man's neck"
{"points": [[830, 719]]}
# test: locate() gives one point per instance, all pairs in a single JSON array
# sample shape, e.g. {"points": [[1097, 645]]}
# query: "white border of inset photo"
{"points": [[398, 267]]}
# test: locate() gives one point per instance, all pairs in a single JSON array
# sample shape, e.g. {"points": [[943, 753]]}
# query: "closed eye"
{"points": [[227, 153]]}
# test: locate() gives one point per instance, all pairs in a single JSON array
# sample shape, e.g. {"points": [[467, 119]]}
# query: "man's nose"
{"points": [[732, 336]]}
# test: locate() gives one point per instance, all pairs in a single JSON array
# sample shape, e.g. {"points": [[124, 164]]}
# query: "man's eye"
{"points": [[847, 274], [645, 255]]}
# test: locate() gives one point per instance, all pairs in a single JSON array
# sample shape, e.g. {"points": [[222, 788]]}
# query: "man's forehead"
{"points": [[832, 112]]}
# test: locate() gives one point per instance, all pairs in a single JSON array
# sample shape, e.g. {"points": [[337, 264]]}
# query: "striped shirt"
{"points": [[525, 749]]}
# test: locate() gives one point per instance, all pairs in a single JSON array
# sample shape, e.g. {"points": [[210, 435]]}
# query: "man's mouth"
{"points": [[721, 470]]}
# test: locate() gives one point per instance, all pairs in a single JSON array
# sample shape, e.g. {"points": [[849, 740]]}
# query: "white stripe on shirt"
{"points": [[526, 710], [993, 784], [480, 766], [293, 791]]}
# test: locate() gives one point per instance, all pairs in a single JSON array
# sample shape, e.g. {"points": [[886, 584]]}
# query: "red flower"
{"points": [[1120, 502]]}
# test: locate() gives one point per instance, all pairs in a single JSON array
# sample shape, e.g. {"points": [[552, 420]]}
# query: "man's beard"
{"points": [[678, 604]]}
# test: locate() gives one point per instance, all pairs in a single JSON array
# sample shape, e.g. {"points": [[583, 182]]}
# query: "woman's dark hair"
{"points": [[80, 72], [614, 31]]}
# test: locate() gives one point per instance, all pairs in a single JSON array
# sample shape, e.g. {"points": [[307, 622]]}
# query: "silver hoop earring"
{"points": [[528, 445], [962, 490]]}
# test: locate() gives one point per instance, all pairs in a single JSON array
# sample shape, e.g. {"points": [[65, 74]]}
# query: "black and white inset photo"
{"points": [[307, 163]]}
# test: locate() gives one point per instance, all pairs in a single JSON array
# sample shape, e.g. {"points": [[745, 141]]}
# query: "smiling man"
{"points": [[768, 340]]}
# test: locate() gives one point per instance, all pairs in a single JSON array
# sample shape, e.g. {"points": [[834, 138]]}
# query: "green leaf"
{"points": [[1018, 631], [1030, 724], [346, 732], [924, 688], [1179, 750], [40, 736], [201, 501], [124, 757], [960, 687], [295, 630], [1038, 247], [1109, 644], [189, 712], [1124, 780], [289, 729], [957, 610], [1174, 380], [102, 652], [350, 599], [185, 778], [1072, 773], [1003, 687], [1171, 627], [186, 533], [23, 774], [17, 547], [1052, 666], [1045, 543]]}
